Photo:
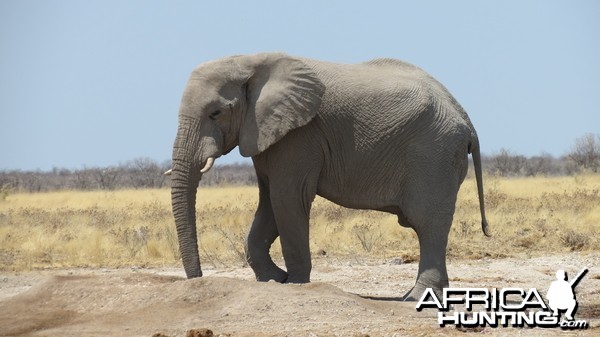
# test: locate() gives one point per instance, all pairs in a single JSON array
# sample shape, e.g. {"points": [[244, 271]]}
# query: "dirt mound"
{"points": [[144, 305], [229, 303]]}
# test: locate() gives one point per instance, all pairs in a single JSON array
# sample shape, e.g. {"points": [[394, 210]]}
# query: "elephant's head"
{"points": [[250, 101]]}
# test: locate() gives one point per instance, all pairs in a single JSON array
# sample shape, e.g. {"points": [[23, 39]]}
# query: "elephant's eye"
{"points": [[214, 115]]}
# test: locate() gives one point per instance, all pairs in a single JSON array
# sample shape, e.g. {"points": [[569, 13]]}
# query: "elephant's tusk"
{"points": [[209, 164], [168, 172]]}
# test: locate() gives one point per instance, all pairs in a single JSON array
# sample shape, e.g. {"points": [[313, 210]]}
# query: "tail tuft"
{"points": [[485, 228]]}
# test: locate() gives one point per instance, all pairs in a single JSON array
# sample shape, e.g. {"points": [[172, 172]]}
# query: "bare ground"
{"points": [[346, 298]]}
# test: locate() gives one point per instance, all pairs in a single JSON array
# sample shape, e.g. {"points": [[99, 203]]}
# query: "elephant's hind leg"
{"points": [[431, 218], [261, 236], [432, 259]]}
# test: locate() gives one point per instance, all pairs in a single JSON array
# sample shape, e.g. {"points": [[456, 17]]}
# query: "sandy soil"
{"points": [[346, 298]]}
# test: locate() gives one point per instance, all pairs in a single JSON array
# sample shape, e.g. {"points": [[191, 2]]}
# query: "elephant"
{"points": [[381, 135]]}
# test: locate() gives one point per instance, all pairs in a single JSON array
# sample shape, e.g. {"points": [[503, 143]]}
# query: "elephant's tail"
{"points": [[474, 149]]}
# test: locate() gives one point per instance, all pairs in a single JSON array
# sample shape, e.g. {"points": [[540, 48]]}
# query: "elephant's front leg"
{"points": [[292, 224], [291, 207], [261, 236], [293, 168]]}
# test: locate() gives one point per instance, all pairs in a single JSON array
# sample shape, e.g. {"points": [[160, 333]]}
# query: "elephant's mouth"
{"points": [[207, 166]]}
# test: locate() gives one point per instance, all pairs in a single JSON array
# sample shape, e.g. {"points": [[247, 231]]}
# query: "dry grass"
{"points": [[529, 216]]}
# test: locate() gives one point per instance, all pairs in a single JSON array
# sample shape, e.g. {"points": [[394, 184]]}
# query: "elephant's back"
{"points": [[386, 99], [432, 91], [395, 65], [382, 70]]}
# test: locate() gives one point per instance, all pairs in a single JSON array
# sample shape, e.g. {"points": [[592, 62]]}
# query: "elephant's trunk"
{"points": [[191, 158], [185, 177]]}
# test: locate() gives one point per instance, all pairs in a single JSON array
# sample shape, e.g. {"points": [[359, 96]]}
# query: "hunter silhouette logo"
{"points": [[561, 294], [515, 307]]}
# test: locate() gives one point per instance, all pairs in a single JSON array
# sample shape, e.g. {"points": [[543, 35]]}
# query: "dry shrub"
{"points": [[574, 240], [368, 235], [527, 240], [4, 192]]}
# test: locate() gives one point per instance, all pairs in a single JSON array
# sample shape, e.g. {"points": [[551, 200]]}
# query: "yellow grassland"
{"points": [[528, 217]]}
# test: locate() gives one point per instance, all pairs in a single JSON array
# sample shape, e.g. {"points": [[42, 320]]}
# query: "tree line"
{"points": [[147, 173], [584, 156], [139, 173]]}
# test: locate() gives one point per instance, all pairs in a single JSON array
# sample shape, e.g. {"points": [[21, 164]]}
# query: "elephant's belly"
{"points": [[358, 196], [385, 198]]}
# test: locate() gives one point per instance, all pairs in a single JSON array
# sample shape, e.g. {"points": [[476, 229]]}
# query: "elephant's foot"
{"points": [[274, 273], [418, 290], [413, 295], [299, 271], [298, 279]]}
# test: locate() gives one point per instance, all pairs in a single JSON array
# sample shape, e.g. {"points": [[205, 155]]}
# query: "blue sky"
{"points": [[97, 83]]}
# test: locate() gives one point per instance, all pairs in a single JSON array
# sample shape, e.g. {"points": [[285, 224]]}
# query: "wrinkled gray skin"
{"points": [[381, 135]]}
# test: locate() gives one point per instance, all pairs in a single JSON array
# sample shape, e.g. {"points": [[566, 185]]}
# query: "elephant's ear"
{"points": [[283, 93]]}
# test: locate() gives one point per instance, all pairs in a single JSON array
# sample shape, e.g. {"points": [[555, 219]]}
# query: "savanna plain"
{"points": [[106, 263]]}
